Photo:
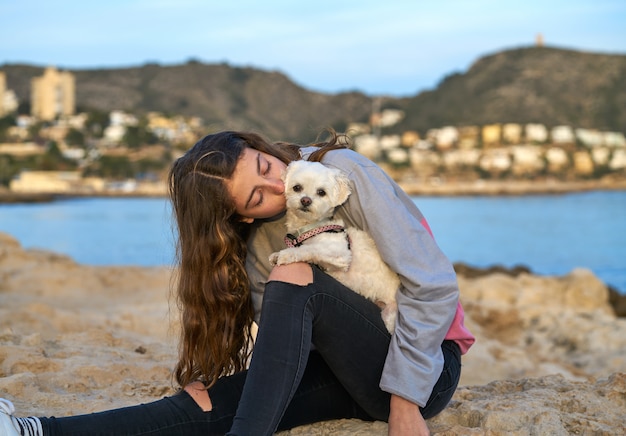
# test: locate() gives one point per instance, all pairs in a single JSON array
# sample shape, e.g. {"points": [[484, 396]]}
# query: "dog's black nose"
{"points": [[305, 201]]}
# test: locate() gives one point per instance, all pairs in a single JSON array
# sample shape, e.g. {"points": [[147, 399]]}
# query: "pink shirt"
{"points": [[458, 333]]}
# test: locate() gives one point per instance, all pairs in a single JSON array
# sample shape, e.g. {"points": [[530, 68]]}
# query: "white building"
{"points": [[527, 158], [614, 139], [398, 156], [590, 138], [368, 146], [536, 133], [618, 160], [495, 160], [461, 158], [512, 133], [556, 158], [447, 137], [388, 142], [563, 135], [390, 117]]}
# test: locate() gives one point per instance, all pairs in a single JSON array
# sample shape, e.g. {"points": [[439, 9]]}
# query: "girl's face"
{"points": [[256, 185]]}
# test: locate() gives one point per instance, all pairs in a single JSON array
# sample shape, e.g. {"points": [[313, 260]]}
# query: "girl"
{"points": [[322, 351]]}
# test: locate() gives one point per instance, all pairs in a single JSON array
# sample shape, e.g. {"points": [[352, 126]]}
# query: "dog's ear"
{"points": [[288, 171], [342, 187], [295, 166]]}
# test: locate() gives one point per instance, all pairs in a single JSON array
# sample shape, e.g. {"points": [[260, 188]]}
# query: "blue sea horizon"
{"points": [[549, 234]]}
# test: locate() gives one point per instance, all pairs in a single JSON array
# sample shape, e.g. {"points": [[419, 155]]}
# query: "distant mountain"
{"points": [[224, 97], [527, 85], [536, 84]]}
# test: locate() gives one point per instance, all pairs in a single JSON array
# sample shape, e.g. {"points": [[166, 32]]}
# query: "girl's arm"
{"points": [[428, 297]]}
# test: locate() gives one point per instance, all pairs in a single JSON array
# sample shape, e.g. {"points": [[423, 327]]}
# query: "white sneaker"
{"points": [[6, 423]]}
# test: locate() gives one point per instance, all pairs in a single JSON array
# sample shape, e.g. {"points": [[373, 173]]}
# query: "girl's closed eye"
{"points": [[268, 168]]}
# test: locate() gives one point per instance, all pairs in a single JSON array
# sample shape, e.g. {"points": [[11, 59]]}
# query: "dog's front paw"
{"points": [[283, 257], [274, 258]]}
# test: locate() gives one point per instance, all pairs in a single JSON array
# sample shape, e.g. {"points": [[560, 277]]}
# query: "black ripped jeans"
{"points": [[288, 384]]}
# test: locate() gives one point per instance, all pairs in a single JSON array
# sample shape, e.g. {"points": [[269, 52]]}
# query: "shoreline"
{"points": [[16, 198], [510, 188], [445, 189]]}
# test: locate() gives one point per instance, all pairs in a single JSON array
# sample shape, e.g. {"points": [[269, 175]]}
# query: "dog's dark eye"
{"points": [[297, 188], [321, 192]]}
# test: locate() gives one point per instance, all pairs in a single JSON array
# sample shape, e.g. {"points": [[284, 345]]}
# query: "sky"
{"points": [[392, 47]]}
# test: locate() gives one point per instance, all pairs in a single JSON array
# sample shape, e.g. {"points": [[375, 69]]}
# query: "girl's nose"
{"points": [[276, 186]]}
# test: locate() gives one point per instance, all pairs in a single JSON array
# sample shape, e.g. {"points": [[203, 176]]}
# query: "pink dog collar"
{"points": [[296, 241]]}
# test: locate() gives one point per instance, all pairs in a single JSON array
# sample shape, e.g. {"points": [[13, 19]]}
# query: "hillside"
{"points": [[527, 85], [536, 84], [223, 96]]}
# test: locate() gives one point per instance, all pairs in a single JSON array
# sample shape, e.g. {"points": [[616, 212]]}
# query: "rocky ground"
{"points": [[550, 357]]}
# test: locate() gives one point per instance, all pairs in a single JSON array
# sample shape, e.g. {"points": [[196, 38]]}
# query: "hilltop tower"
{"points": [[539, 40], [53, 94]]}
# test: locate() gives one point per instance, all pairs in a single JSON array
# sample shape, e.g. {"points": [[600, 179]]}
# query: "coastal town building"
{"points": [[410, 138], [445, 137], [512, 133], [390, 142], [425, 163], [176, 130], [46, 181], [72, 182], [459, 159], [583, 163], [563, 135], [556, 159], [367, 145], [500, 152], [537, 133], [491, 135], [468, 137], [527, 159], [496, 160], [618, 160], [21, 149], [8, 99], [53, 94], [386, 117]]}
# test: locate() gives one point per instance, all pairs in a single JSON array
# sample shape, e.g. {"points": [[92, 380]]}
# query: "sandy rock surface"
{"points": [[550, 356]]}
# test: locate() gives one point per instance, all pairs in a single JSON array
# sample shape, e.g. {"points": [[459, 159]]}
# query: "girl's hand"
{"points": [[405, 418]]}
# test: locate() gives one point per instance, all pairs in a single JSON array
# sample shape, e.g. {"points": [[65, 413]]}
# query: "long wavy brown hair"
{"points": [[211, 284]]}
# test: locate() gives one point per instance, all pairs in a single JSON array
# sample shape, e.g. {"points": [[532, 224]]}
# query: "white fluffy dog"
{"points": [[313, 191]]}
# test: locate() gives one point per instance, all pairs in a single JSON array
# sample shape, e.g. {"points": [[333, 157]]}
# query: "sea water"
{"points": [[550, 234]]}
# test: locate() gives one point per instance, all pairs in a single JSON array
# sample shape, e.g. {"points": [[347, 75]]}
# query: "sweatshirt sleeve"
{"points": [[428, 295]]}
